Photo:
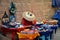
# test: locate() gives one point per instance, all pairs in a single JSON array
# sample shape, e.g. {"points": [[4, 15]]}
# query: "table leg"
{"points": [[13, 35], [55, 31]]}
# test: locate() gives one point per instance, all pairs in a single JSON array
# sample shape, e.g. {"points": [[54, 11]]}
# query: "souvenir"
{"points": [[12, 8], [5, 19], [28, 19]]}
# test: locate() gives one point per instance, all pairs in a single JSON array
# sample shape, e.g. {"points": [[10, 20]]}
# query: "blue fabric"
{"points": [[56, 15], [6, 23], [11, 17], [42, 37], [46, 34], [54, 27], [48, 37], [39, 25], [58, 12], [59, 23], [56, 3]]}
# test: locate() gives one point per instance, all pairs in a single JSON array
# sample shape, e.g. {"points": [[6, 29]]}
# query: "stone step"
{"points": [[3, 37]]}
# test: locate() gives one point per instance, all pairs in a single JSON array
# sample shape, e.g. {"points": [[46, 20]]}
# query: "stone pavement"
{"points": [[57, 35]]}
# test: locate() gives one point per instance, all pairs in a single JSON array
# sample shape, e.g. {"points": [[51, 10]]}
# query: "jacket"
{"points": [[56, 3], [56, 15]]}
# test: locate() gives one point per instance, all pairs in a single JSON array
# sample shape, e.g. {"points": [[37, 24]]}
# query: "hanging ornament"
{"points": [[12, 8]]}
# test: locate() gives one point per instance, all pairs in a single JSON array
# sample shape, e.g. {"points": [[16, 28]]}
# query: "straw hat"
{"points": [[29, 16]]}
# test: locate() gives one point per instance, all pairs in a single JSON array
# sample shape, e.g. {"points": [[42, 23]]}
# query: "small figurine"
{"points": [[28, 19], [12, 8], [5, 19], [11, 17], [12, 23]]}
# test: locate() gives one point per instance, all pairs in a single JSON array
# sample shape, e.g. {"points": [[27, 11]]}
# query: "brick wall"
{"points": [[41, 8]]}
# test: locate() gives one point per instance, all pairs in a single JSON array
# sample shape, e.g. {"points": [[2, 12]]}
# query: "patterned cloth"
{"points": [[29, 36]]}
